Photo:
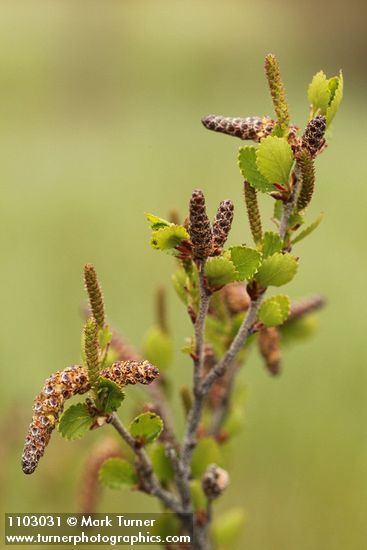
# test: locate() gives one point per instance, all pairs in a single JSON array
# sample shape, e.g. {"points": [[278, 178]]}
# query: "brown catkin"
{"points": [[91, 350], [307, 171], [59, 387], [199, 226], [313, 137], [269, 346], [90, 486], [249, 128], [222, 225], [303, 307], [277, 91], [95, 294], [253, 212]]}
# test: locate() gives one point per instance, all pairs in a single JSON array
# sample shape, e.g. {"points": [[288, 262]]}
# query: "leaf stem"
{"points": [[151, 484]]}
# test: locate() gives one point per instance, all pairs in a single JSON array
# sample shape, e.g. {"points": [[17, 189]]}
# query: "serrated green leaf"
{"points": [[75, 422], [274, 311], [117, 473], [336, 85], [158, 348], [206, 452], [276, 270], [198, 497], [274, 159], [220, 271], [110, 395], [319, 93], [167, 238], [227, 528], [146, 427], [246, 261], [308, 230], [162, 466], [156, 222], [104, 336], [271, 243], [250, 171]]}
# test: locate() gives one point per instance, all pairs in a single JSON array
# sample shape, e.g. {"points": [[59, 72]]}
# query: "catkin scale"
{"points": [[222, 225], [313, 137], [249, 128], [199, 226], [59, 387]]}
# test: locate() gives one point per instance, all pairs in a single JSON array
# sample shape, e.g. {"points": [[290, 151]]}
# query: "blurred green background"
{"points": [[100, 106]]}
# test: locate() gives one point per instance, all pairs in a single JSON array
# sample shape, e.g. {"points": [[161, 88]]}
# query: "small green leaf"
{"points": [[117, 473], [146, 427], [156, 222], [299, 329], [276, 270], [274, 159], [246, 261], [110, 395], [271, 243], [75, 422], [250, 171], [167, 238], [158, 348], [180, 283], [227, 528], [162, 465], [319, 93], [220, 271], [198, 497], [274, 311], [278, 210], [308, 230], [336, 85], [206, 452], [234, 422], [166, 525], [104, 336]]}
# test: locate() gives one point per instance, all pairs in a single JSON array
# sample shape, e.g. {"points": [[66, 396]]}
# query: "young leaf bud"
{"points": [[199, 226], [250, 128], [222, 225], [236, 298], [215, 481], [269, 346]]}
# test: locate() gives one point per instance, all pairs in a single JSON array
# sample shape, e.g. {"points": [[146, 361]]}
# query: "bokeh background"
{"points": [[100, 106]]}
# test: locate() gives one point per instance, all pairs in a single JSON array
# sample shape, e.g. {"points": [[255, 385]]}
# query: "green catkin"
{"points": [[63, 385], [277, 91], [91, 350], [307, 172], [253, 211], [199, 227], [95, 294], [222, 225]]}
